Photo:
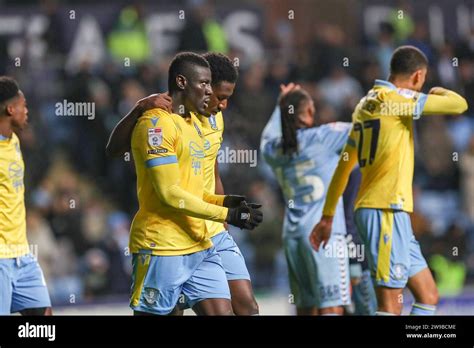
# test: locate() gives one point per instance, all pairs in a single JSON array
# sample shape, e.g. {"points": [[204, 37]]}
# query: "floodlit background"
{"points": [[80, 203]]}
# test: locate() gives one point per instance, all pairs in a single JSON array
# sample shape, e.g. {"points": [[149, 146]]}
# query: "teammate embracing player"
{"points": [[381, 141], [224, 77]]}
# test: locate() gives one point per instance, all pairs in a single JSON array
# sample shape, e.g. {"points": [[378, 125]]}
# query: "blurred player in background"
{"points": [[381, 141], [363, 294], [22, 285], [168, 232], [303, 158], [224, 77]]}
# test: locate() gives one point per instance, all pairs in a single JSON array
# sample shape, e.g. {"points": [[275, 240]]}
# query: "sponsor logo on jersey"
{"points": [[157, 151], [197, 153], [15, 172]]}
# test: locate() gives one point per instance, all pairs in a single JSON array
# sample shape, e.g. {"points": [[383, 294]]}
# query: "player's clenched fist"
{"points": [[321, 233], [245, 216], [233, 201]]}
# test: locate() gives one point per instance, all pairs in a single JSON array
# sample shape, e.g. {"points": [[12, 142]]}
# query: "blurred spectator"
{"points": [[370, 72], [341, 90], [465, 47], [466, 77], [384, 48], [420, 39], [95, 267], [254, 103], [401, 19], [128, 39], [55, 31], [267, 236], [466, 165], [202, 32], [448, 261], [445, 67], [328, 50], [41, 237], [436, 154]]}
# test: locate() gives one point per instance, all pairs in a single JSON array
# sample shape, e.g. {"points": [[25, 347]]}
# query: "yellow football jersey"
{"points": [[212, 130], [382, 133], [161, 138], [381, 140], [13, 241]]}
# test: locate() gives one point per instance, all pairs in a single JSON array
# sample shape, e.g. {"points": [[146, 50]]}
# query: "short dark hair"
{"points": [[8, 88], [293, 101], [407, 60], [222, 68], [181, 64]]}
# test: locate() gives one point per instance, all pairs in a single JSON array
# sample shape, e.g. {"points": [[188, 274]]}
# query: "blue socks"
{"points": [[422, 309], [383, 313]]}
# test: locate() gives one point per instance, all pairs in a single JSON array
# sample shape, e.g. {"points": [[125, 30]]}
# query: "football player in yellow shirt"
{"points": [[224, 77], [22, 285], [168, 232], [381, 141]]}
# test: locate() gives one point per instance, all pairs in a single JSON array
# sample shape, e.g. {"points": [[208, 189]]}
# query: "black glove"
{"points": [[233, 201], [245, 216]]}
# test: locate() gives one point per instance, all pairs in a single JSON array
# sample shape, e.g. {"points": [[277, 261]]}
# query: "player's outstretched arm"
{"points": [[322, 231], [120, 138], [444, 101]]}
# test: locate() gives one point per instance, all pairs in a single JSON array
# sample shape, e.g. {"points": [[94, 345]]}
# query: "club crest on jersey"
{"points": [[212, 122], [399, 271], [150, 296], [155, 136]]}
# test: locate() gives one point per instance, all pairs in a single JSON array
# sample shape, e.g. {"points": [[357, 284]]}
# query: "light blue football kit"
{"points": [[317, 279]]}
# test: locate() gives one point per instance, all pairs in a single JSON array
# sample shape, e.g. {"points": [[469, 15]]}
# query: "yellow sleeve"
{"points": [[213, 198], [405, 102], [155, 139], [347, 161], [165, 179], [401, 102], [444, 102]]}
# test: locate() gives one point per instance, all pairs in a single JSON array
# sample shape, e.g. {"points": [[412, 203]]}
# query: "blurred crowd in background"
{"points": [[80, 203]]}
